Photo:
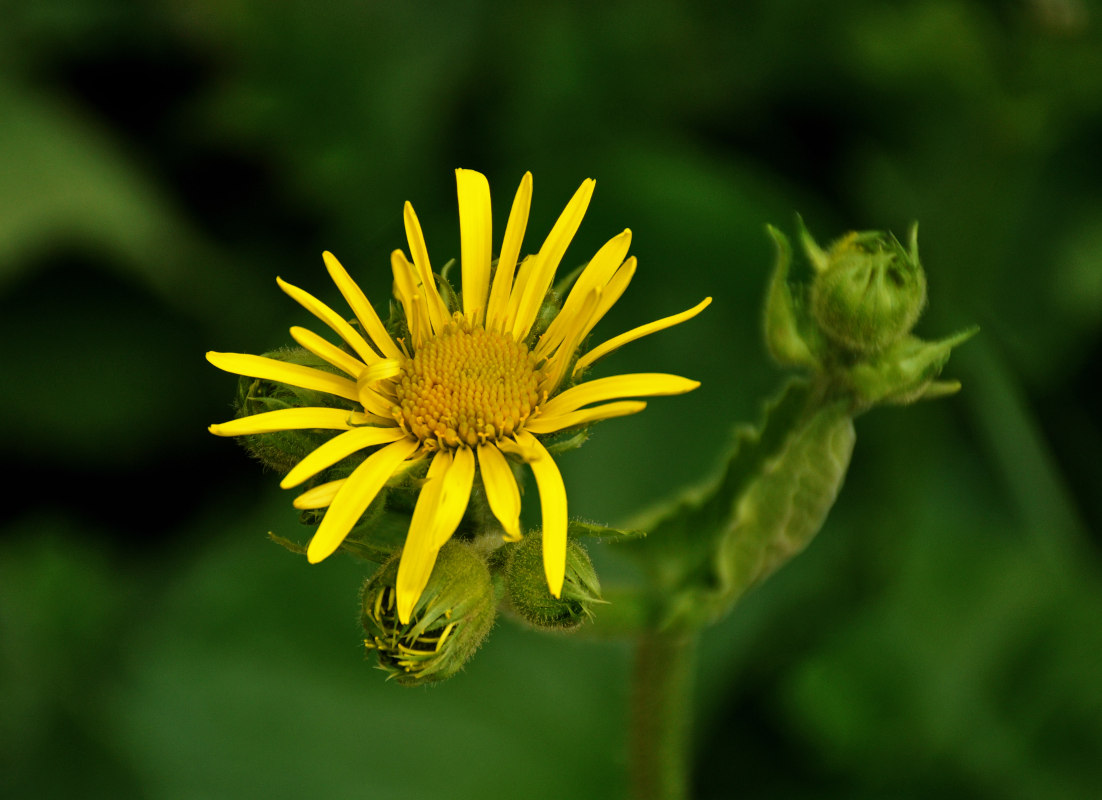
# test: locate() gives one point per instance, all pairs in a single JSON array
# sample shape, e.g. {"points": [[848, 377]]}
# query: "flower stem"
{"points": [[661, 711]]}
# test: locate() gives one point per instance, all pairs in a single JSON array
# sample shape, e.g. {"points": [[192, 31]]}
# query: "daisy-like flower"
{"points": [[470, 385]]}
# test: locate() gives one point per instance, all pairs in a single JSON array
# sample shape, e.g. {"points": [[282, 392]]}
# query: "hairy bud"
{"points": [[869, 291], [526, 585], [448, 624]]}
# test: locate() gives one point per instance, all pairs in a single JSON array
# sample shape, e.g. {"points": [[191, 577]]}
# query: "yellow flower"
{"points": [[470, 385]]}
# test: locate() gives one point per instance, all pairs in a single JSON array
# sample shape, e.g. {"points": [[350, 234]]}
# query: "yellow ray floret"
{"points": [[419, 554], [355, 495], [337, 448], [328, 352], [271, 369], [616, 342], [643, 384], [550, 423], [332, 319], [496, 309], [360, 306], [502, 492], [291, 419], [552, 505], [475, 230]]}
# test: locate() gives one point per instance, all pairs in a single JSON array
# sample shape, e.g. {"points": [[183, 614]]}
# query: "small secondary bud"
{"points": [[526, 586], [448, 624]]}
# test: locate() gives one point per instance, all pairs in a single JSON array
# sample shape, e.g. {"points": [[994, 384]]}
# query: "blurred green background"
{"points": [[161, 163]]}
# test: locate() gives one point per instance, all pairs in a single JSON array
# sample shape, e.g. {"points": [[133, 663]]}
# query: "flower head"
{"points": [[469, 382]]}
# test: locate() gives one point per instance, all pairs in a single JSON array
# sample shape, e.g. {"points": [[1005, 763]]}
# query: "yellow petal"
{"points": [[596, 275], [404, 288], [419, 554], [601, 350], [615, 288], [548, 258], [331, 318], [361, 306], [556, 366], [501, 489], [475, 240], [355, 495], [455, 495], [549, 424], [340, 446], [640, 384], [327, 351], [497, 307], [523, 276], [291, 419], [269, 369], [437, 312], [553, 507], [320, 496]]}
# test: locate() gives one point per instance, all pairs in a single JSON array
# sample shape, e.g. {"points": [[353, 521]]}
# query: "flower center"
{"points": [[467, 385]]}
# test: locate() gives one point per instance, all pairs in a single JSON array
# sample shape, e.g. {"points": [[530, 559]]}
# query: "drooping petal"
{"points": [[322, 495], [550, 423], [547, 260], [502, 492], [601, 350], [497, 307], [270, 369], [418, 553], [475, 240], [640, 384], [332, 319], [434, 305], [355, 495], [458, 481], [361, 306], [553, 507], [596, 275], [291, 419], [327, 351], [340, 446]]}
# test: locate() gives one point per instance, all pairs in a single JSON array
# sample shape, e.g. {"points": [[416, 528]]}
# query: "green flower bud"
{"points": [[869, 291], [851, 326], [526, 585], [283, 449], [448, 624]]}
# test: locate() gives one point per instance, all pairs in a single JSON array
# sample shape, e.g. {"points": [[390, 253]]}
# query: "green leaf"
{"points": [[777, 485]]}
